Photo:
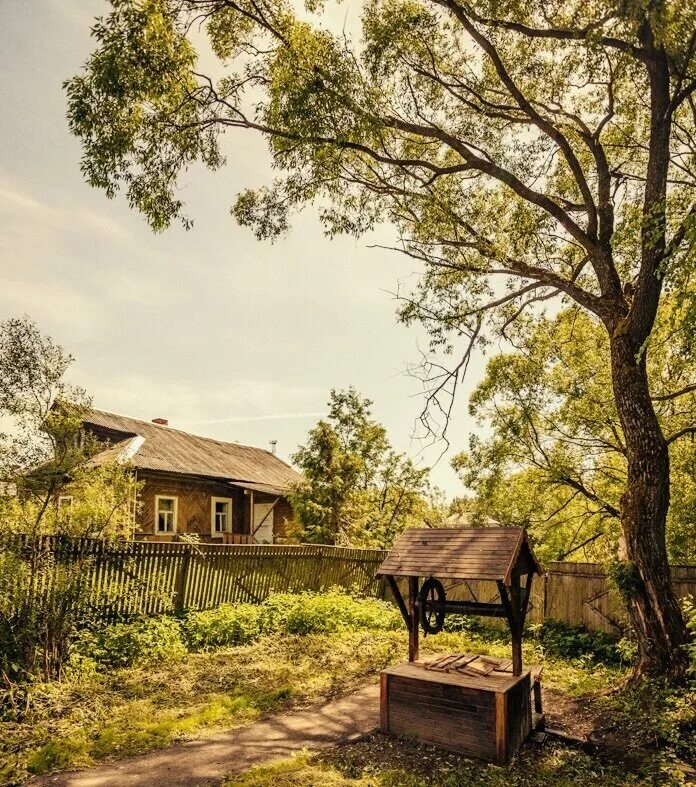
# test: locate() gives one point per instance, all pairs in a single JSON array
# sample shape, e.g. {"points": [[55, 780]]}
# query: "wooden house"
{"points": [[223, 492]]}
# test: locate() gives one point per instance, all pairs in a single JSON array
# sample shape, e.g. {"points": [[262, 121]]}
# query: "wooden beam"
{"points": [[479, 608], [510, 603], [384, 702], [516, 606], [501, 742], [413, 615], [525, 601], [400, 603]]}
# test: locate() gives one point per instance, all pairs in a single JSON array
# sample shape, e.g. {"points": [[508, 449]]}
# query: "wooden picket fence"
{"points": [[119, 579]]}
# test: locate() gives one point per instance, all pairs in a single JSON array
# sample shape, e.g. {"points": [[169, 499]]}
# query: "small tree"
{"points": [[356, 491], [45, 453]]}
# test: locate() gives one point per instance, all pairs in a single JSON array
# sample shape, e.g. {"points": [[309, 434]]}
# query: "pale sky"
{"points": [[223, 335]]}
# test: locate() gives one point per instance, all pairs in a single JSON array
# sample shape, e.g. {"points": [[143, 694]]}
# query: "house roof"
{"points": [[490, 553], [149, 446]]}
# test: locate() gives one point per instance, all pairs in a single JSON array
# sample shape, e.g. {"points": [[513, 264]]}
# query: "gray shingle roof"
{"points": [[459, 553], [172, 451]]}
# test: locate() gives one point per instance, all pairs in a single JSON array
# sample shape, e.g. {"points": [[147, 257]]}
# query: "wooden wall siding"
{"points": [[282, 514], [194, 504], [151, 577]]}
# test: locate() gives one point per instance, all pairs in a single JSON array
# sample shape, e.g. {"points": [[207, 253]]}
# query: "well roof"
{"points": [[489, 553], [170, 450]]}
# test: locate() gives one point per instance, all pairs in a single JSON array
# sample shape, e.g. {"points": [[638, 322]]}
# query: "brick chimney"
{"points": [[160, 421]]}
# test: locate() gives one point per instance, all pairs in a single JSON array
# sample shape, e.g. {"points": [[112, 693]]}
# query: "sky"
{"points": [[221, 334]]}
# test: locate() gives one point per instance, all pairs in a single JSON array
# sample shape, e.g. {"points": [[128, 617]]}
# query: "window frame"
{"points": [[220, 533], [175, 512]]}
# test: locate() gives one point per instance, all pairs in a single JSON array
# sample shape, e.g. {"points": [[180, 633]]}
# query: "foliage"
{"points": [[46, 454], [139, 643], [554, 460], [690, 614], [36, 629], [356, 490], [562, 641], [228, 624], [329, 612]]}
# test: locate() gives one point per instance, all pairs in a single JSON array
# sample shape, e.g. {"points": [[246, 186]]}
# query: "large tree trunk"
{"points": [[654, 609]]}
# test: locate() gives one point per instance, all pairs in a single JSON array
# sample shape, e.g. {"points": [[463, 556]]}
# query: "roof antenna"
{"points": [[273, 444]]}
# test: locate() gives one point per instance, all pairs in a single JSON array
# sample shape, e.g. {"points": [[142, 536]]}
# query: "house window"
{"points": [[220, 515], [165, 514]]}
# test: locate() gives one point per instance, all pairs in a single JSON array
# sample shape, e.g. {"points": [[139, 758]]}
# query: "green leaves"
{"points": [[136, 110], [357, 491]]}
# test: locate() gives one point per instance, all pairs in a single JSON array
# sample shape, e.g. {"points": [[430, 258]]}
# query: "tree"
{"points": [[522, 152], [45, 453], [356, 491], [556, 460]]}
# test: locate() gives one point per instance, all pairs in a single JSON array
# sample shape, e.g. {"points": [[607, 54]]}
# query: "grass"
{"points": [[83, 720], [381, 761], [106, 716]]}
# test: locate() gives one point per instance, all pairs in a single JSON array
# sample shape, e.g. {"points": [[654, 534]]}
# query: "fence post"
{"points": [[182, 580]]}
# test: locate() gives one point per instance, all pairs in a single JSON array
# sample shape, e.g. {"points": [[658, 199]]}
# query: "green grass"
{"points": [[83, 720], [106, 716], [381, 761]]}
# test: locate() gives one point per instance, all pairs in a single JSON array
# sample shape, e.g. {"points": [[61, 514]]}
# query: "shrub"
{"points": [[139, 643], [228, 624], [287, 613], [37, 628], [689, 606], [324, 613], [569, 642]]}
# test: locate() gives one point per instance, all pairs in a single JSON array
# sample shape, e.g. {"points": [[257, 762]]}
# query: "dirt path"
{"points": [[208, 760]]}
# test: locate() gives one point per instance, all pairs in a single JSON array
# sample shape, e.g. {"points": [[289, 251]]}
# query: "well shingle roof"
{"points": [[459, 553], [172, 451]]}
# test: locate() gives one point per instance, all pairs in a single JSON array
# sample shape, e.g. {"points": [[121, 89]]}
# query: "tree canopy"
{"points": [[357, 491]]}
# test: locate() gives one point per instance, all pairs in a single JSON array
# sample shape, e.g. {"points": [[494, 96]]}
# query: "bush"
{"points": [[689, 606], [37, 628], [571, 642], [149, 640], [228, 624], [325, 613], [287, 613], [139, 643]]}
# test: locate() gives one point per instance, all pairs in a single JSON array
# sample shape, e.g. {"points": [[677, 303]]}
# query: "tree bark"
{"points": [[653, 606]]}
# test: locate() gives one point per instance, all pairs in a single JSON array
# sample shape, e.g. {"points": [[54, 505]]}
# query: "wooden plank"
{"points": [[384, 702], [501, 728], [414, 626]]}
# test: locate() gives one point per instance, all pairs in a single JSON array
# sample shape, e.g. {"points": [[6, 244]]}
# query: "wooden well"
{"points": [[486, 715], [474, 705]]}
